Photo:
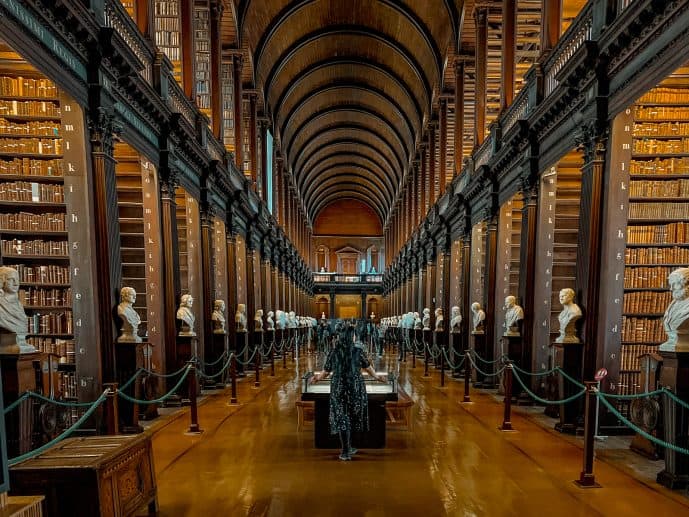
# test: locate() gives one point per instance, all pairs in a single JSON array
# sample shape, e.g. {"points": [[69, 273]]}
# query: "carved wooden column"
{"points": [[509, 40], [442, 137], [231, 240], [459, 116], [490, 288], [414, 301], [431, 269], [145, 17], [551, 24], [423, 191], [263, 128], [275, 281], [415, 194], [216, 12], [277, 193], [102, 127], [170, 263], [205, 349], [589, 246], [527, 279], [253, 140], [466, 285], [250, 283], [237, 65], [481, 19], [266, 288]]}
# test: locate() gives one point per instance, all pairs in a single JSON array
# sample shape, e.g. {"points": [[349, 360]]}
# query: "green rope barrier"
{"points": [[533, 374], [32, 394], [66, 433], [675, 398], [449, 363], [248, 361], [224, 368], [168, 375], [483, 360], [222, 356], [638, 430], [570, 378], [158, 400], [132, 379], [631, 397], [544, 401], [484, 373], [21, 399]]}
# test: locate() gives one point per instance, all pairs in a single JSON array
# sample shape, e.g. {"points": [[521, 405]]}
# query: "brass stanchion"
{"points": [[507, 415], [467, 375], [587, 479], [442, 366], [257, 364], [425, 359], [233, 377], [111, 411]]}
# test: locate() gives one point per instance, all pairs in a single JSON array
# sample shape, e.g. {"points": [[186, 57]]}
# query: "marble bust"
{"points": [[456, 320], [479, 317], [439, 320], [240, 318], [322, 315], [186, 316], [291, 320], [218, 317], [418, 325], [280, 319], [570, 314], [130, 318], [676, 318], [269, 321], [426, 320], [258, 321], [13, 321], [514, 314]]}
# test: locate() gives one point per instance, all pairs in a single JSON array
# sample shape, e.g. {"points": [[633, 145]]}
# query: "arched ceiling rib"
{"points": [[349, 86]]}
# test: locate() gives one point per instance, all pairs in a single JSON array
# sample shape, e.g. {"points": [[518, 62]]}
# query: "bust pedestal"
{"points": [[187, 345], [270, 342], [569, 357], [241, 350], [18, 376], [149, 386], [456, 353], [427, 340], [279, 343], [514, 346], [479, 338], [129, 358], [674, 375], [218, 347]]}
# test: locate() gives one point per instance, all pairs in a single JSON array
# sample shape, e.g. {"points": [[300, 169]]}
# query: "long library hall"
{"points": [[344, 257]]}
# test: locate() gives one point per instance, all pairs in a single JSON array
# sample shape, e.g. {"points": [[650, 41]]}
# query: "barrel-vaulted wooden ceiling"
{"points": [[349, 86]]}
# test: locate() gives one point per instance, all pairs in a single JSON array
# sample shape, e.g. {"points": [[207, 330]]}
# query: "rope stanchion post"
{"points": [[413, 355], [193, 402], [507, 414], [233, 379], [258, 359], [442, 365], [284, 355], [467, 375], [111, 410], [426, 357], [587, 479], [272, 357]]}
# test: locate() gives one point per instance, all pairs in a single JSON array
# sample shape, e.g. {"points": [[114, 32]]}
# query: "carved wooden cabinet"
{"points": [[110, 476]]}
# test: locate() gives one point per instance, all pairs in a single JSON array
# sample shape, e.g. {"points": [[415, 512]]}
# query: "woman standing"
{"points": [[348, 399]]}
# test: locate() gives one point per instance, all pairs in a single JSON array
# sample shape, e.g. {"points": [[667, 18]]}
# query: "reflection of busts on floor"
{"points": [[571, 313], [218, 317], [13, 325], [676, 318], [187, 317], [130, 318]]}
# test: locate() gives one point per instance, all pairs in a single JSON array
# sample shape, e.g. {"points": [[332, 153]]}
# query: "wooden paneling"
{"points": [[347, 217]]}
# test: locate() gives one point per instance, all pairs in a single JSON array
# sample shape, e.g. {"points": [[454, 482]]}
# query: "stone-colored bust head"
{"points": [[439, 320], [479, 316], [186, 316], [218, 317], [13, 322], [130, 318], [426, 320], [240, 318], [258, 321], [270, 322], [570, 314], [676, 318], [514, 314], [456, 320]]}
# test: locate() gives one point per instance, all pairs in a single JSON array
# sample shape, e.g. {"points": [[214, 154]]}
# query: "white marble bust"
{"points": [[269, 321], [291, 320], [258, 321], [479, 317], [240, 318], [186, 316], [676, 318], [130, 318], [218, 317], [280, 319], [426, 320], [514, 314], [439, 320], [322, 315], [13, 321], [418, 325], [568, 318], [456, 320]]}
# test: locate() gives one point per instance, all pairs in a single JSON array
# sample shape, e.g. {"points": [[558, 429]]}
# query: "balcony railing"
{"points": [[342, 278]]}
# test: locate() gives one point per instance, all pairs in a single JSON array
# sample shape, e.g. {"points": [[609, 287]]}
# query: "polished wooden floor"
{"points": [[252, 461]]}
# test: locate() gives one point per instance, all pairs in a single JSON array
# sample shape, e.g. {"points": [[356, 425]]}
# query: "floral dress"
{"points": [[348, 398]]}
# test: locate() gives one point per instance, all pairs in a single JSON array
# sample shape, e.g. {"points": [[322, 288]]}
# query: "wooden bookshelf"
{"points": [[202, 54], [227, 89], [168, 33], [478, 264], [509, 238], [33, 223]]}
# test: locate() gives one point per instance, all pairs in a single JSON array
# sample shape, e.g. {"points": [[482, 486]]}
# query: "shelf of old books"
{"points": [[168, 33], [35, 211], [509, 238], [658, 218], [202, 50]]}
